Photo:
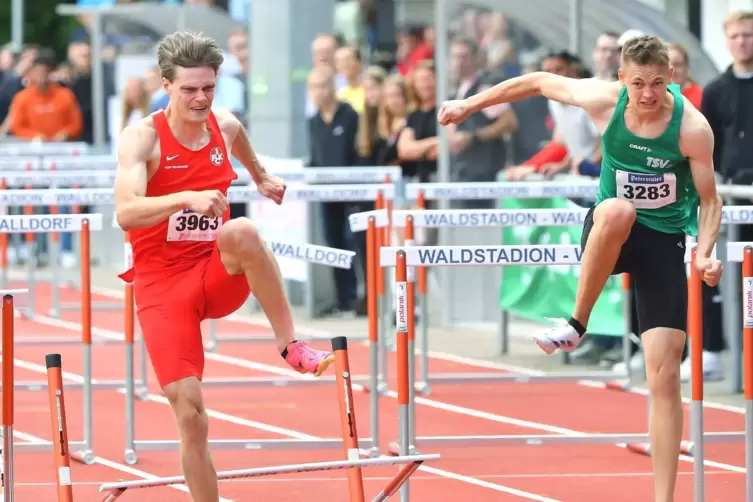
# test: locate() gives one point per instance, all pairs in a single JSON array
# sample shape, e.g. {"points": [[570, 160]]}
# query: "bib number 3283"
{"points": [[187, 225], [647, 191]]}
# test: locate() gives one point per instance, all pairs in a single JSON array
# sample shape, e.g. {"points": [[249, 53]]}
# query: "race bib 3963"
{"points": [[187, 225]]}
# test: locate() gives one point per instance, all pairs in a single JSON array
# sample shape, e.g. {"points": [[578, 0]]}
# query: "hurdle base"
{"points": [[79, 451], [276, 382], [62, 340], [96, 307], [393, 449], [639, 443], [459, 378], [40, 385], [254, 444], [246, 338]]}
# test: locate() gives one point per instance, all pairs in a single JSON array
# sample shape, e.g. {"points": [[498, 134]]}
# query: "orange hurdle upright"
{"points": [[747, 302], [8, 388], [59, 435]]}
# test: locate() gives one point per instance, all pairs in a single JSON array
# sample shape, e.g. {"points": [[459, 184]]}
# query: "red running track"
{"points": [[543, 473]]}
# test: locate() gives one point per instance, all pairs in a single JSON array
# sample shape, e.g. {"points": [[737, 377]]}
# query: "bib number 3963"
{"points": [[647, 191], [189, 226]]}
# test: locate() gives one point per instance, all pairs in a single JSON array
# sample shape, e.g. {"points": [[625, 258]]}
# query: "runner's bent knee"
{"points": [[240, 238], [615, 216]]}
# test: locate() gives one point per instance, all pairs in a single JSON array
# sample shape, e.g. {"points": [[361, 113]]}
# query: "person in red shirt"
{"points": [[412, 48], [189, 262], [678, 58]]}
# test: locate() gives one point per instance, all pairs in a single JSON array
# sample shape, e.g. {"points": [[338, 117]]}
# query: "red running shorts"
{"points": [[170, 312]]}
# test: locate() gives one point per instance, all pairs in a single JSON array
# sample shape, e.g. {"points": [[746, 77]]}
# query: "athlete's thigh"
{"points": [[223, 293], [661, 285], [626, 259], [172, 333]]}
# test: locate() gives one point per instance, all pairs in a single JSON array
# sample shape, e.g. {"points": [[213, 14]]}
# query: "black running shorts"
{"points": [[656, 262]]}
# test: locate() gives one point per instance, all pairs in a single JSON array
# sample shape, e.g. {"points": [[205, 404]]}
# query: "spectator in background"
{"points": [[477, 145], [332, 142], [79, 57], [678, 59], [135, 105], [500, 50], [418, 145], [348, 64], [727, 102], [606, 56], [158, 95], [13, 81], [370, 142], [229, 94], [411, 49], [237, 45], [393, 113], [323, 50], [46, 111]]}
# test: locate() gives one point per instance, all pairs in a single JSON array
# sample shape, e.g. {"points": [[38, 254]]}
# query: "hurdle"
{"points": [[350, 443], [470, 218], [8, 448], [563, 254], [312, 254], [743, 252], [98, 172], [54, 364], [84, 223]]}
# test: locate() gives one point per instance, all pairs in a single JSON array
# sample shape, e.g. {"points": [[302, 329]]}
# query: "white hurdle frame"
{"points": [[424, 256], [81, 451], [500, 218], [308, 252]]}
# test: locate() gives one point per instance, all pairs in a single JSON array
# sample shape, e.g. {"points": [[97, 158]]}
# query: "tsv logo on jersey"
{"points": [[645, 178], [216, 156], [657, 163]]}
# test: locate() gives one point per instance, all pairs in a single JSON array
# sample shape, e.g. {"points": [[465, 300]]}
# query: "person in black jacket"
{"points": [[728, 107], [333, 130]]}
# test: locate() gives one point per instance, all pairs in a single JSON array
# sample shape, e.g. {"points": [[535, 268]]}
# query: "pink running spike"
{"points": [[304, 359]]}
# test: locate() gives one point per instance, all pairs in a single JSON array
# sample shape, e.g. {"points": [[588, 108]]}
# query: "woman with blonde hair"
{"points": [[393, 113], [136, 102], [368, 139]]}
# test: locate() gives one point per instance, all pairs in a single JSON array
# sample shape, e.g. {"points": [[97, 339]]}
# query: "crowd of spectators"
{"points": [[364, 113], [394, 111]]}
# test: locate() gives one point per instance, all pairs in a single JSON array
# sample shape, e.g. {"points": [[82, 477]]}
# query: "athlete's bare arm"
{"points": [[697, 144], [132, 208], [597, 97], [270, 186], [240, 145]]}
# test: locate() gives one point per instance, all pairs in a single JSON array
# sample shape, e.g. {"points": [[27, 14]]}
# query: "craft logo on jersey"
{"points": [[640, 147], [216, 156]]}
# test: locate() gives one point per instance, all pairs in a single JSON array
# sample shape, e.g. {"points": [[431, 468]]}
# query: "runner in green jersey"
{"points": [[657, 169]]}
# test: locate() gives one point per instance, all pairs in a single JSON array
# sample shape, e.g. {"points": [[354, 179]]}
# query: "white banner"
{"points": [[104, 196], [443, 256], [48, 223]]}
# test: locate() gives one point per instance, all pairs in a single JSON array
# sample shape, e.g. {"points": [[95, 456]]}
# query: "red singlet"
{"points": [[178, 275]]}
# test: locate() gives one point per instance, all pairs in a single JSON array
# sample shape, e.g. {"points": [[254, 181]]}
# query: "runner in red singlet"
{"points": [[190, 262]]}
